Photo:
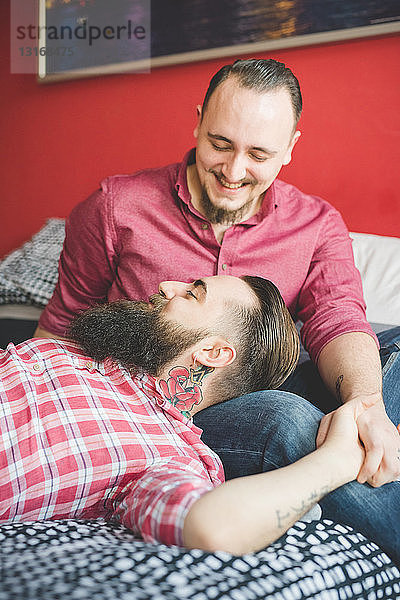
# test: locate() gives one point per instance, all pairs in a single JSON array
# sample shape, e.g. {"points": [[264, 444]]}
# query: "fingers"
{"points": [[391, 466], [379, 438], [369, 470], [387, 472], [381, 442], [381, 465], [323, 429]]}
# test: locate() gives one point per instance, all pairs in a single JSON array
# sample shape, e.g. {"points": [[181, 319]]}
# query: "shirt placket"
{"points": [[224, 252], [204, 232], [227, 252]]}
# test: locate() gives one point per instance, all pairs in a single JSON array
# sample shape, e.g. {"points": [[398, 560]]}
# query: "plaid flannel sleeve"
{"points": [[155, 505]]}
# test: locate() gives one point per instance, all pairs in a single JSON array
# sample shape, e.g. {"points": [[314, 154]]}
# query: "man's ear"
{"points": [[198, 113], [288, 154], [214, 352]]}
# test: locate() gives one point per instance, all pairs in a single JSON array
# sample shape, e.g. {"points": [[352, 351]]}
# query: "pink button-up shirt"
{"points": [[85, 440], [140, 229]]}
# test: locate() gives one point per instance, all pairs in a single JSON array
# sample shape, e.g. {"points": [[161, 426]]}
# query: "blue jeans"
{"points": [[270, 429]]}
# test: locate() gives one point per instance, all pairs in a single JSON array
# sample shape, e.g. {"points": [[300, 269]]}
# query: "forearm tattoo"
{"points": [[294, 513], [339, 381]]}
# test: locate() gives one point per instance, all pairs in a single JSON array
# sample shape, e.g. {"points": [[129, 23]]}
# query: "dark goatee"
{"points": [[134, 334], [222, 216]]}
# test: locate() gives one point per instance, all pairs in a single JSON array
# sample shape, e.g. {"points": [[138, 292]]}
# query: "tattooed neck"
{"points": [[183, 387]]}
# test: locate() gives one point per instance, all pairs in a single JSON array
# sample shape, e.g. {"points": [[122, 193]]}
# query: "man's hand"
{"points": [[339, 434], [350, 367], [380, 439]]}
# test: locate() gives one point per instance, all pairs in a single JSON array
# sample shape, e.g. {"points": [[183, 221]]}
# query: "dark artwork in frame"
{"points": [[188, 30], [206, 24]]}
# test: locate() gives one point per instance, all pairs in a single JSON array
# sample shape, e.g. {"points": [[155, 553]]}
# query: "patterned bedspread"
{"points": [[95, 560]]}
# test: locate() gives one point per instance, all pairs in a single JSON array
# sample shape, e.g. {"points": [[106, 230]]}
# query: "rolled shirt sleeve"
{"points": [[155, 505], [331, 300]]}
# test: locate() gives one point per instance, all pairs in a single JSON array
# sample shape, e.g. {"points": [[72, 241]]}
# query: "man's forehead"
{"points": [[228, 287], [259, 113]]}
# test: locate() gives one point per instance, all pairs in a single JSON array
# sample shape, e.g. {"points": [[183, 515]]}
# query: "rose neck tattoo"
{"points": [[183, 387]]}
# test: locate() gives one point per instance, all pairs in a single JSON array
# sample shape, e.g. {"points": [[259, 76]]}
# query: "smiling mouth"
{"points": [[231, 186], [227, 185]]}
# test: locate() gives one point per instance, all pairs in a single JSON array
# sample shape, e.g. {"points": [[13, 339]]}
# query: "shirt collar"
{"points": [[181, 185], [270, 202]]}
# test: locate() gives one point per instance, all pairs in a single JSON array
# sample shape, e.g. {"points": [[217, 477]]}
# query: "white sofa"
{"points": [[377, 258]]}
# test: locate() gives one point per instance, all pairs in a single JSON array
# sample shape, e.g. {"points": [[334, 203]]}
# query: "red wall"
{"points": [[62, 139]]}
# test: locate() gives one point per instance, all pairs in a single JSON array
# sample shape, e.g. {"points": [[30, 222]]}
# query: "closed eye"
{"points": [[220, 148], [190, 293]]}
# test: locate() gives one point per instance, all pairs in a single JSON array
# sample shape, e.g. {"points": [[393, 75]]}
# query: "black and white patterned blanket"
{"points": [[29, 274], [95, 560]]}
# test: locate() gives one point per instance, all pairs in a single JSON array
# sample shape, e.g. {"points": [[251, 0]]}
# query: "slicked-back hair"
{"points": [[261, 75], [267, 343]]}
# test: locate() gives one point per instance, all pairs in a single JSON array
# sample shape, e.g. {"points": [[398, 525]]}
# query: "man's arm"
{"points": [[351, 369], [87, 264], [246, 514], [341, 343]]}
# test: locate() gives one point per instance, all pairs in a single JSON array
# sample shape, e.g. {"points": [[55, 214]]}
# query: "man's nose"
{"points": [[234, 168], [172, 288]]}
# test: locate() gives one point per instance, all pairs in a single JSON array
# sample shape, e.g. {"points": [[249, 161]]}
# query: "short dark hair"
{"points": [[262, 75], [266, 341]]}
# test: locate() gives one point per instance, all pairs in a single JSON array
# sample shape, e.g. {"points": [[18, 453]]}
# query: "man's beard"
{"points": [[222, 216], [133, 334]]}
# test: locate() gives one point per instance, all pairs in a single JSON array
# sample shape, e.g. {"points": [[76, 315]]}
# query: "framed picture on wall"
{"points": [[82, 38]]}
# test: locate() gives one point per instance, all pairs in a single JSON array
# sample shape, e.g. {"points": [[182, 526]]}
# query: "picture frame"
{"points": [[180, 31]]}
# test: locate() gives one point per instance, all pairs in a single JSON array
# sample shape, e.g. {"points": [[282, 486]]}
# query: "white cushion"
{"points": [[377, 258]]}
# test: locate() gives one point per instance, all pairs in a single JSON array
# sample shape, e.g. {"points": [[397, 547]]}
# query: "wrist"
{"points": [[351, 392], [339, 465]]}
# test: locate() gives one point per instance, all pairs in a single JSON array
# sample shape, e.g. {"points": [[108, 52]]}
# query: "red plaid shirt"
{"points": [[81, 439]]}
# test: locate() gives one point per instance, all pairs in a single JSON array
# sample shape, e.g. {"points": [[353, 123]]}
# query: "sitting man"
{"points": [[112, 435]]}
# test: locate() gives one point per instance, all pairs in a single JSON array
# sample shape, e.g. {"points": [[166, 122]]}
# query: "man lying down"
{"points": [[100, 425]]}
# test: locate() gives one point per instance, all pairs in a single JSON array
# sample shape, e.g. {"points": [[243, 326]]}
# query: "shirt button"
{"points": [[36, 367], [204, 225], [224, 266]]}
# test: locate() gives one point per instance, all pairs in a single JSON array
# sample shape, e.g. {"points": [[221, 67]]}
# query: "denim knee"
{"points": [[260, 431], [285, 406], [390, 359], [259, 410], [289, 429]]}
